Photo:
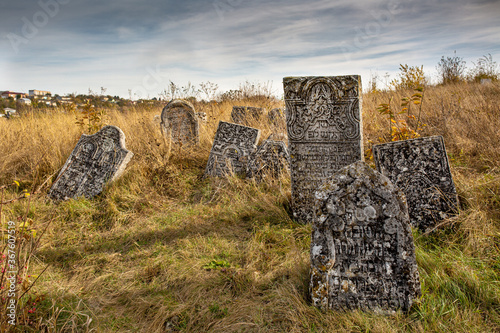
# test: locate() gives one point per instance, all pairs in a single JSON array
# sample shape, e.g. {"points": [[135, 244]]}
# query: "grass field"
{"points": [[164, 250]]}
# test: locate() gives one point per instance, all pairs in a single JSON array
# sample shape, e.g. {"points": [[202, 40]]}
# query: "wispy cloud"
{"points": [[113, 43]]}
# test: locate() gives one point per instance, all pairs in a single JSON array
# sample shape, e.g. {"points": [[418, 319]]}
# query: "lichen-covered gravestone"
{"points": [[420, 168], [233, 144], [323, 119], [276, 117], [179, 122], [96, 159], [362, 251], [270, 158], [245, 114]]}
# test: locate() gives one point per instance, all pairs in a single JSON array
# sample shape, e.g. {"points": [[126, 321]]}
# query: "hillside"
{"points": [[164, 250]]}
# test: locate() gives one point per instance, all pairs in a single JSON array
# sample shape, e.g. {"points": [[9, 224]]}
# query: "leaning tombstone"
{"points": [[270, 158], [96, 160], [420, 168], [245, 114], [179, 122], [233, 144], [362, 251], [323, 119]]}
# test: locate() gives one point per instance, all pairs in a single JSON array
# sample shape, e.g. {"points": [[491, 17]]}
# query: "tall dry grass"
{"points": [[163, 250]]}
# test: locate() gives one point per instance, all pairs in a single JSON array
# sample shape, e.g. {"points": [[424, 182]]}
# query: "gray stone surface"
{"points": [[362, 251], [323, 119], [270, 158], [276, 117], [179, 122], [96, 159], [233, 144], [245, 114], [420, 168]]}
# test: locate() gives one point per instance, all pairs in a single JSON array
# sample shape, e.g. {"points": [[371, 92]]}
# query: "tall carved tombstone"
{"points": [[323, 119], [96, 159], [179, 122], [233, 144], [245, 114], [362, 251], [420, 168]]}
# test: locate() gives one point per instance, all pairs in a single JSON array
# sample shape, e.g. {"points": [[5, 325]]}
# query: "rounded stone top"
{"points": [[175, 103]]}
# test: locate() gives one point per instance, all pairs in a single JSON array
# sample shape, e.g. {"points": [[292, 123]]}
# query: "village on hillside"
{"points": [[14, 102]]}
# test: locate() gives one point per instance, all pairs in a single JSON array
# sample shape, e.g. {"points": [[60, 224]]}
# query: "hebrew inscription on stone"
{"points": [[270, 159], [245, 114], [96, 159], [323, 119], [179, 122], [362, 251], [420, 168], [232, 147]]}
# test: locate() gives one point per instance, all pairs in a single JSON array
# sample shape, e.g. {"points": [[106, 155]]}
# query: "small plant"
{"points": [[217, 310], [451, 69], [217, 264], [18, 244], [91, 119], [409, 126], [410, 77], [485, 68]]}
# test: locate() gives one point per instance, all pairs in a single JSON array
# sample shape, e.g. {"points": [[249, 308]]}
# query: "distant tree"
{"points": [[451, 69], [485, 68]]}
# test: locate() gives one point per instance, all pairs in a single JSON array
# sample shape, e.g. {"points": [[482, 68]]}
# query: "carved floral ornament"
{"points": [[322, 102]]}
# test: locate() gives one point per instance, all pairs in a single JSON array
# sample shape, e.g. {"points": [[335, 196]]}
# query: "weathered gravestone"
{"points": [[276, 117], [233, 144], [96, 159], [323, 119], [245, 114], [420, 168], [179, 122], [362, 252], [270, 158]]}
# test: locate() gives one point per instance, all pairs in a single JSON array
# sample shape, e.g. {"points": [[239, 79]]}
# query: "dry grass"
{"points": [[162, 249]]}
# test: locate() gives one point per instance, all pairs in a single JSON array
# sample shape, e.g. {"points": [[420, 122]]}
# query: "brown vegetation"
{"points": [[162, 249]]}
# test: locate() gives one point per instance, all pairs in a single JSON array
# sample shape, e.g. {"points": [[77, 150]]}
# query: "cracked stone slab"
{"points": [[96, 160], [421, 169], [362, 251], [270, 158], [233, 144]]}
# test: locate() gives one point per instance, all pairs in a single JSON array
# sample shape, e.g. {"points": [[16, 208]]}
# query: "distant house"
{"points": [[39, 93], [63, 100], [9, 110], [25, 101], [13, 94]]}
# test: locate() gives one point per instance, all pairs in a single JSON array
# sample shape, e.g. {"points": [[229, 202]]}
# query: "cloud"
{"points": [[114, 43]]}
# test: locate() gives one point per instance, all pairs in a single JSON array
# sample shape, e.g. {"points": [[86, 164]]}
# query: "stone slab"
{"points": [[362, 251], [232, 147], [323, 119], [179, 122], [270, 158], [245, 114], [96, 159], [420, 168]]}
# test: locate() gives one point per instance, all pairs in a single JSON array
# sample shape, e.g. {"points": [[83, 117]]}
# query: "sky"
{"points": [[136, 48]]}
